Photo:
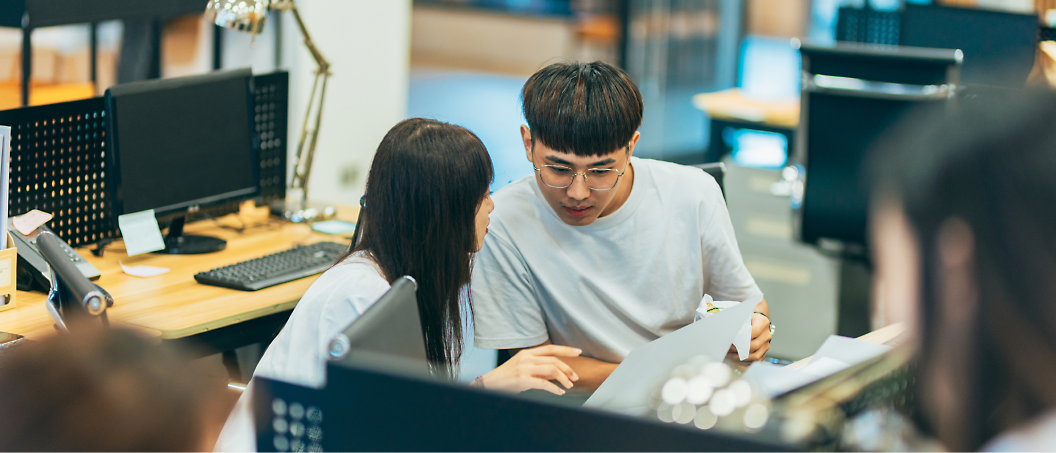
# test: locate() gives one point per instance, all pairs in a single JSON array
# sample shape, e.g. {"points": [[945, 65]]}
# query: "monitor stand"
{"points": [[177, 243]]}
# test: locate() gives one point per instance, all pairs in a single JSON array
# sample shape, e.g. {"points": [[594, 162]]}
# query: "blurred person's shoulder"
{"points": [[1038, 435]]}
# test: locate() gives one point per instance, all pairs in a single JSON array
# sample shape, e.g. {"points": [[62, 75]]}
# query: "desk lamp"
{"points": [[248, 16]]}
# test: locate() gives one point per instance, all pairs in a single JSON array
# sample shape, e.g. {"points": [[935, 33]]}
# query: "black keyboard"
{"points": [[285, 266]]}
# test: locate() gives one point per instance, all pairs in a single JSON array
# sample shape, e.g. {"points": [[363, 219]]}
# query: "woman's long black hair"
{"points": [[418, 218], [993, 166]]}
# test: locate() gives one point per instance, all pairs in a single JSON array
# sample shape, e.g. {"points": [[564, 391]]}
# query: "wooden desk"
{"points": [[174, 304], [731, 108]]}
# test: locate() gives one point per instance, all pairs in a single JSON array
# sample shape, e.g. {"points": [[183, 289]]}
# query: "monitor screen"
{"points": [[185, 142], [999, 47]]}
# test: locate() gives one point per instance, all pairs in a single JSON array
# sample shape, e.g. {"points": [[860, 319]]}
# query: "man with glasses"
{"points": [[600, 250]]}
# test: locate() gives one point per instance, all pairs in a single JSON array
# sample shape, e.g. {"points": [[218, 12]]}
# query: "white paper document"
{"points": [[835, 354], [628, 388], [5, 171], [743, 339]]}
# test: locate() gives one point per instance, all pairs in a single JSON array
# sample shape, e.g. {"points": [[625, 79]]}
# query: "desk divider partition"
{"points": [[58, 160]]}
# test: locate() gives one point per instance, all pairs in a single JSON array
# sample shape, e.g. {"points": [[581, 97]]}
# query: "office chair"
{"points": [[852, 94], [717, 170]]}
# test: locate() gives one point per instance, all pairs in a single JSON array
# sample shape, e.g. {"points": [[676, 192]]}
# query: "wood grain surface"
{"points": [[174, 305]]}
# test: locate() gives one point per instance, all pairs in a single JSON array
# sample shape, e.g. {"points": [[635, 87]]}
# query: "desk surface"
{"points": [[733, 104], [173, 304]]}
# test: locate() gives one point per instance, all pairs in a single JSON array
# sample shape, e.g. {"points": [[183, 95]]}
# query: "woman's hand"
{"points": [[534, 369]]}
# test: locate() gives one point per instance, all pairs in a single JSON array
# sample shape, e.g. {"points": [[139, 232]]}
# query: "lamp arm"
{"points": [[304, 156], [315, 135], [324, 65]]}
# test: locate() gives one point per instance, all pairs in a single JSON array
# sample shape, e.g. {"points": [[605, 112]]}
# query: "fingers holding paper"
{"points": [[760, 343], [760, 337]]}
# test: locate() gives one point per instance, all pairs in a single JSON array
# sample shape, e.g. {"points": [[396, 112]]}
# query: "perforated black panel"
{"points": [[58, 160], [57, 166], [272, 109]]}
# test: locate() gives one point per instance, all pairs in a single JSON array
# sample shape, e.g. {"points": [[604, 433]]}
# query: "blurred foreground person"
{"points": [[100, 390], [963, 221]]}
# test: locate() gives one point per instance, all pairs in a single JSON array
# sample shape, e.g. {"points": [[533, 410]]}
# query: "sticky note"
{"points": [[30, 221], [141, 232], [143, 271]]}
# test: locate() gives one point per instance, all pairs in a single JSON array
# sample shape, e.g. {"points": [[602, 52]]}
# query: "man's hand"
{"points": [[760, 334]]}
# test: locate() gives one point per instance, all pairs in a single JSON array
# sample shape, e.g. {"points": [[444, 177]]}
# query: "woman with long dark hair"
{"points": [[963, 223], [425, 214]]}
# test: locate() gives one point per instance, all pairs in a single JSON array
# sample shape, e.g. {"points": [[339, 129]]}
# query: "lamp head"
{"points": [[242, 15]]}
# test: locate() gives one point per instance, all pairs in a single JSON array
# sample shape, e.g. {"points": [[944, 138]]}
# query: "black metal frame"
{"points": [[32, 14]]}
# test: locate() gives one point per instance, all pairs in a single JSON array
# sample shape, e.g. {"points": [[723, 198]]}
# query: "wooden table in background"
{"points": [[177, 307]]}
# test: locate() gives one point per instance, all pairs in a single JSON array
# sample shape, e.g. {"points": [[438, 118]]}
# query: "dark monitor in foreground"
{"points": [[388, 335], [363, 409], [178, 145], [999, 47]]}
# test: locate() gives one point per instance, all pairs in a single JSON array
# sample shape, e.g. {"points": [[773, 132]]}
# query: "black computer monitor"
{"points": [[178, 145], [854, 94], [387, 335], [999, 47]]}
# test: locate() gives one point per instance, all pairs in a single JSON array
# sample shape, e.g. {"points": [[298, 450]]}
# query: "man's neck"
{"points": [[626, 184]]}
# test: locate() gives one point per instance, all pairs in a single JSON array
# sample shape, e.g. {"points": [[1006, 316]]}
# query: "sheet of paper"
{"points": [[820, 367], [849, 350], [29, 221], [773, 380], [5, 172], [141, 232], [627, 389], [144, 271], [743, 339], [835, 354]]}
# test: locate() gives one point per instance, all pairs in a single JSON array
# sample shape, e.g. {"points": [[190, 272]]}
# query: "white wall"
{"points": [[368, 45]]}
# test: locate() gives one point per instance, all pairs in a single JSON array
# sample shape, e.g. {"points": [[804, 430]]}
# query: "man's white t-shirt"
{"points": [[616, 284], [299, 353]]}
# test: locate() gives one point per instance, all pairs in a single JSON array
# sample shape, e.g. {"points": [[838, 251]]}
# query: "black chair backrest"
{"points": [[853, 93], [717, 170]]}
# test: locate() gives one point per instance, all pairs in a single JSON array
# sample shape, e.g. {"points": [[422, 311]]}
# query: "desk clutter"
{"points": [[91, 172], [58, 160]]}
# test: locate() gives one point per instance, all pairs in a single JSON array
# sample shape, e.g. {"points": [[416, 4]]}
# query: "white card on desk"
{"points": [[144, 271], [141, 232], [628, 388]]}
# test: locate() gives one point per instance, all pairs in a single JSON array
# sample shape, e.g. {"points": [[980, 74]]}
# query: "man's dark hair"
{"points": [[588, 109]]}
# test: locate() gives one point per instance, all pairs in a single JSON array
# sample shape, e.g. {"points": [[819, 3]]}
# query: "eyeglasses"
{"points": [[560, 177]]}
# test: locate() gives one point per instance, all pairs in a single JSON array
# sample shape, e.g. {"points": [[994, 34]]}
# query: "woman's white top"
{"points": [[299, 353]]}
